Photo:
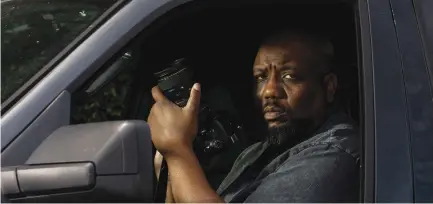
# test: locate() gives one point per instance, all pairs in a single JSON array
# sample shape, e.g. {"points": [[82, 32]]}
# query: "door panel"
{"points": [[53, 117], [419, 98], [393, 172]]}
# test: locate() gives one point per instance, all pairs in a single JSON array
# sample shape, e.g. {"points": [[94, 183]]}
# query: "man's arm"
{"points": [[187, 192], [157, 164], [321, 173], [188, 181], [173, 130]]}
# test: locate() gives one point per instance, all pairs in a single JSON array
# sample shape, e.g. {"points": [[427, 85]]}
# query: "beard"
{"points": [[280, 135], [289, 134]]}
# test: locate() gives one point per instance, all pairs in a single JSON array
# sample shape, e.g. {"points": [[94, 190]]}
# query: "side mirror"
{"points": [[95, 162]]}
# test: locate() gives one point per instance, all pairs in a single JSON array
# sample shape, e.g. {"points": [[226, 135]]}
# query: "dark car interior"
{"points": [[220, 41]]}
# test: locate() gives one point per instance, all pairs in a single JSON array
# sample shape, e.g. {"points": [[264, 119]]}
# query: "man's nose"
{"points": [[273, 88]]}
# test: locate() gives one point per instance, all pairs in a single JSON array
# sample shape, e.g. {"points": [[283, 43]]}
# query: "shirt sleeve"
{"points": [[321, 173]]}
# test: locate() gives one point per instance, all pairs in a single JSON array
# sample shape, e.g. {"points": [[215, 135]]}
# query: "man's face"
{"points": [[290, 85]]}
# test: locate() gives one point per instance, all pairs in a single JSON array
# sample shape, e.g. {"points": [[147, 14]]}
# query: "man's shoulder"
{"points": [[339, 133]]}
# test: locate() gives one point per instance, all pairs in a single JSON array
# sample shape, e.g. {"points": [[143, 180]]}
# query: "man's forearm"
{"points": [[158, 163], [188, 181], [169, 195]]}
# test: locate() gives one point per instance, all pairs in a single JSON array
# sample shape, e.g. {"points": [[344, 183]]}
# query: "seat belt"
{"points": [[161, 185]]}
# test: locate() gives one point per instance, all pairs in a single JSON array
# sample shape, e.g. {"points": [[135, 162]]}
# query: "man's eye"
{"points": [[288, 76], [260, 78]]}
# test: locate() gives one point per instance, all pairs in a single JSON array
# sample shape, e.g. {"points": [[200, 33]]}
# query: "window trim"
{"points": [[366, 91], [429, 65], [23, 89]]}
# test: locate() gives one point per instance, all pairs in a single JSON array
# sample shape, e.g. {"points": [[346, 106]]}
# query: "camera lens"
{"points": [[216, 130], [176, 81]]}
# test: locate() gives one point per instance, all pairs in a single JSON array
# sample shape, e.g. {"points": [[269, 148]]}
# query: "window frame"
{"points": [[366, 91], [50, 65]]}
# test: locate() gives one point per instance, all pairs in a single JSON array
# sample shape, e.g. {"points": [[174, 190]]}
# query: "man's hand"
{"points": [[173, 128]]}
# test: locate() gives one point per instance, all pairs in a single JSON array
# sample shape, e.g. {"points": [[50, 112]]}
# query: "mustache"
{"points": [[273, 106]]}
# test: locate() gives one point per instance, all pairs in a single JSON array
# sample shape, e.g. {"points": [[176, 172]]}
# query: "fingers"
{"points": [[194, 99], [157, 94]]}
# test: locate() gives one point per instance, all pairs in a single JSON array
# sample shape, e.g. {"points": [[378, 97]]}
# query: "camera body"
{"points": [[218, 130]]}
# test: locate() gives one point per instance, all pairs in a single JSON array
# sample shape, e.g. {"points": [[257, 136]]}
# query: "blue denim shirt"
{"points": [[323, 168]]}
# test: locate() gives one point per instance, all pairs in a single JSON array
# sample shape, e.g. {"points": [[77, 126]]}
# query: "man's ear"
{"points": [[331, 83]]}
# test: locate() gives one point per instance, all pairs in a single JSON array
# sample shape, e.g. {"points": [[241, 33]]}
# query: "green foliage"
{"points": [[107, 104], [36, 31]]}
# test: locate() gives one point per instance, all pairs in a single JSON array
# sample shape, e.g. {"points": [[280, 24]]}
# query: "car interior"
{"points": [[219, 40]]}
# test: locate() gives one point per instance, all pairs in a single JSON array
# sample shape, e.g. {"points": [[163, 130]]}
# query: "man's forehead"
{"points": [[299, 40], [282, 53], [271, 55]]}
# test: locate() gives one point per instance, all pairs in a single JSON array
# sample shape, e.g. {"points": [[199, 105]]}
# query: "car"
{"points": [[76, 77]]}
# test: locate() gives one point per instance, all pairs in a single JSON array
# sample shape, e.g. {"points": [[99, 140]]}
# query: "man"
{"points": [[311, 153]]}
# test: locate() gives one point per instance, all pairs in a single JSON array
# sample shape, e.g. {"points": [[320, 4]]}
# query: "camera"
{"points": [[218, 130]]}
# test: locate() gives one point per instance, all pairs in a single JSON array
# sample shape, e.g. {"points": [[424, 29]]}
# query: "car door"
{"points": [[388, 173], [403, 108], [46, 104], [413, 24]]}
